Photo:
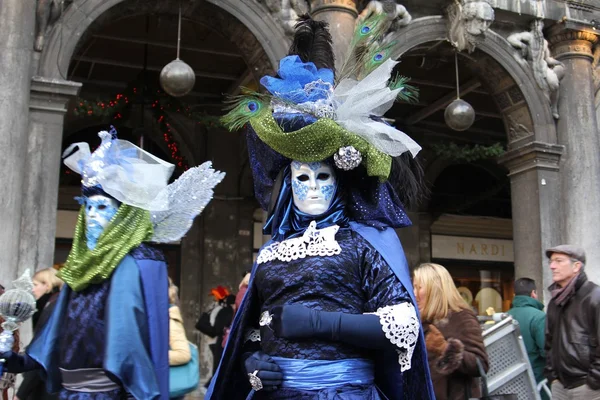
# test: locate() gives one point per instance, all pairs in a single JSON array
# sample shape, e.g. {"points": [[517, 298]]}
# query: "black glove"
{"points": [[16, 363], [295, 321], [268, 371]]}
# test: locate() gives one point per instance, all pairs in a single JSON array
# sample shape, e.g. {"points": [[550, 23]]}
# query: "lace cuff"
{"points": [[401, 326], [252, 335]]}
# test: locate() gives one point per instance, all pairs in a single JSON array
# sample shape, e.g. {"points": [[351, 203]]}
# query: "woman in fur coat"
{"points": [[452, 334]]}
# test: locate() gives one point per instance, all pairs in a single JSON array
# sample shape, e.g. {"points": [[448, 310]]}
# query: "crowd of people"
{"points": [[330, 309], [560, 349]]}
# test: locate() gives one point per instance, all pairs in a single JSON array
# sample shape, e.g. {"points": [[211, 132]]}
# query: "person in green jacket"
{"points": [[527, 311]]}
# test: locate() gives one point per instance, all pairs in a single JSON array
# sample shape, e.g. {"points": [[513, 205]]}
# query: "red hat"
{"points": [[220, 292]]}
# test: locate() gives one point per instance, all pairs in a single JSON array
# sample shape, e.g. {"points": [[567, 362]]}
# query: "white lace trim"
{"points": [[401, 326], [252, 335], [314, 242]]}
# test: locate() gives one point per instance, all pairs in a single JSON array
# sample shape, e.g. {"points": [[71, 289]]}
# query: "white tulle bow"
{"points": [[355, 102]]}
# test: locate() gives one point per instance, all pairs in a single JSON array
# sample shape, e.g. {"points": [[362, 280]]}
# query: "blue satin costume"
{"points": [[120, 325], [370, 272]]}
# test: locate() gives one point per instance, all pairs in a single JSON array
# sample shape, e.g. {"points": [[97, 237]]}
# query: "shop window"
{"points": [[486, 287]]}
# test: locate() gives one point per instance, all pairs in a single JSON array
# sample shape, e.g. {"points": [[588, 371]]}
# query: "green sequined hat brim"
{"points": [[319, 141]]}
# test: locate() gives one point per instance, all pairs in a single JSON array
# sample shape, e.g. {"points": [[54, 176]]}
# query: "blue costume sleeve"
{"points": [[416, 382], [155, 285], [128, 342], [44, 348]]}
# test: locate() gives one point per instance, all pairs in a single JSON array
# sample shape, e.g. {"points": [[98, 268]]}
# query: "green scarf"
{"points": [[127, 230]]}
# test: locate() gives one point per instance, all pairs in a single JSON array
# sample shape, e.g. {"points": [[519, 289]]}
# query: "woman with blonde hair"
{"points": [[179, 348], [452, 334], [46, 286]]}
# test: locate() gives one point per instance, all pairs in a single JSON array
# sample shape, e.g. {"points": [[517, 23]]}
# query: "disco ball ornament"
{"points": [[16, 306], [177, 78], [459, 115]]}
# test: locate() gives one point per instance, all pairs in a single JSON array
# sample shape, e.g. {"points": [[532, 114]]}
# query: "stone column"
{"points": [[17, 22], [341, 16], [48, 105], [577, 130], [535, 187], [425, 221]]}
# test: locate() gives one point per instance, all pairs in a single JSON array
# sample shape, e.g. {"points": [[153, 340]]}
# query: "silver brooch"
{"points": [[255, 381], [265, 319], [347, 158]]}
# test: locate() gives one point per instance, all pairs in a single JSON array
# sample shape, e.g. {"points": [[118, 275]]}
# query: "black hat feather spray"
{"points": [[313, 43]]}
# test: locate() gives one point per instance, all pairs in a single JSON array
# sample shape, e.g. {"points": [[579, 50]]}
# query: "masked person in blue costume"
{"points": [[108, 336], [330, 311]]}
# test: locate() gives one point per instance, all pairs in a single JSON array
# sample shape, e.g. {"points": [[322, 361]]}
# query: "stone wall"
{"points": [[218, 249]]}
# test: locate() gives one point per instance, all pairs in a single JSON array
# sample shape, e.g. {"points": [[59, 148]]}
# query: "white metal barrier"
{"points": [[510, 371]]}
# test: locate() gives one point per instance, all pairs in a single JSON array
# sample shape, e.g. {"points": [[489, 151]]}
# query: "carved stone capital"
{"points": [[533, 155], [569, 43], [52, 95], [319, 6]]}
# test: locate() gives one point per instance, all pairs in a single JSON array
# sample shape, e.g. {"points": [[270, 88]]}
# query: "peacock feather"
{"points": [[370, 29], [368, 35], [243, 108], [408, 93], [374, 57]]}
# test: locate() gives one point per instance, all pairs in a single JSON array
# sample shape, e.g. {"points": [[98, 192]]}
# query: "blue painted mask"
{"points": [[99, 210], [313, 186]]}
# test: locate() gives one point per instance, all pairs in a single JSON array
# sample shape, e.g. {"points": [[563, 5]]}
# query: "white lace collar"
{"points": [[314, 242]]}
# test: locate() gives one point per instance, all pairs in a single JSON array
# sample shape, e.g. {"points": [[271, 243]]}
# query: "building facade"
{"points": [[524, 177]]}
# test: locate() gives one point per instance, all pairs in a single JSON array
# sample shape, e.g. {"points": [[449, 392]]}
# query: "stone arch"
{"points": [[434, 28], [438, 165], [63, 38]]}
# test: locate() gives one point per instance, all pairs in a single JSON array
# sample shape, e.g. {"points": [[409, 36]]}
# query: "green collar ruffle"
{"points": [[127, 230]]}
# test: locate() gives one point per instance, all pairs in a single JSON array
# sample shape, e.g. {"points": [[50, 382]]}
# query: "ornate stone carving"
{"points": [[566, 42], [47, 13], [287, 12], [396, 13], [534, 52], [516, 130], [468, 21]]}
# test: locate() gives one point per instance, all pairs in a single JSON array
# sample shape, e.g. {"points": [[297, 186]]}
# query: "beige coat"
{"points": [[179, 348]]}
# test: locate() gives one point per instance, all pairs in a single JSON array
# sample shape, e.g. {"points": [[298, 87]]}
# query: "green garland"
{"points": [[161, 105], [115, 107], [467, 153]]}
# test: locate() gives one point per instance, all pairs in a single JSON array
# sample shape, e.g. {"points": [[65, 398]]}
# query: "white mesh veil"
{"points": [[356, 101]]}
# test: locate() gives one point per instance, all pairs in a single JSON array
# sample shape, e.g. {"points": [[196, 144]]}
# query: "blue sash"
{"points": [[323, 374]]}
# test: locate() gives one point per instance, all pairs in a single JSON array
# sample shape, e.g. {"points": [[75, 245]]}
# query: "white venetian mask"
{"points": [[313, 186], [99, 210]]}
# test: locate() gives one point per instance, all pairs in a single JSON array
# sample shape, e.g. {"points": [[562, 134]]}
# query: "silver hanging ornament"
{"points": [[459, 114], [177, 78]]}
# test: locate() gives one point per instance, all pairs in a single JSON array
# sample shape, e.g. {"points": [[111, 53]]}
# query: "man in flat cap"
{"points": [[572, 327]]}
